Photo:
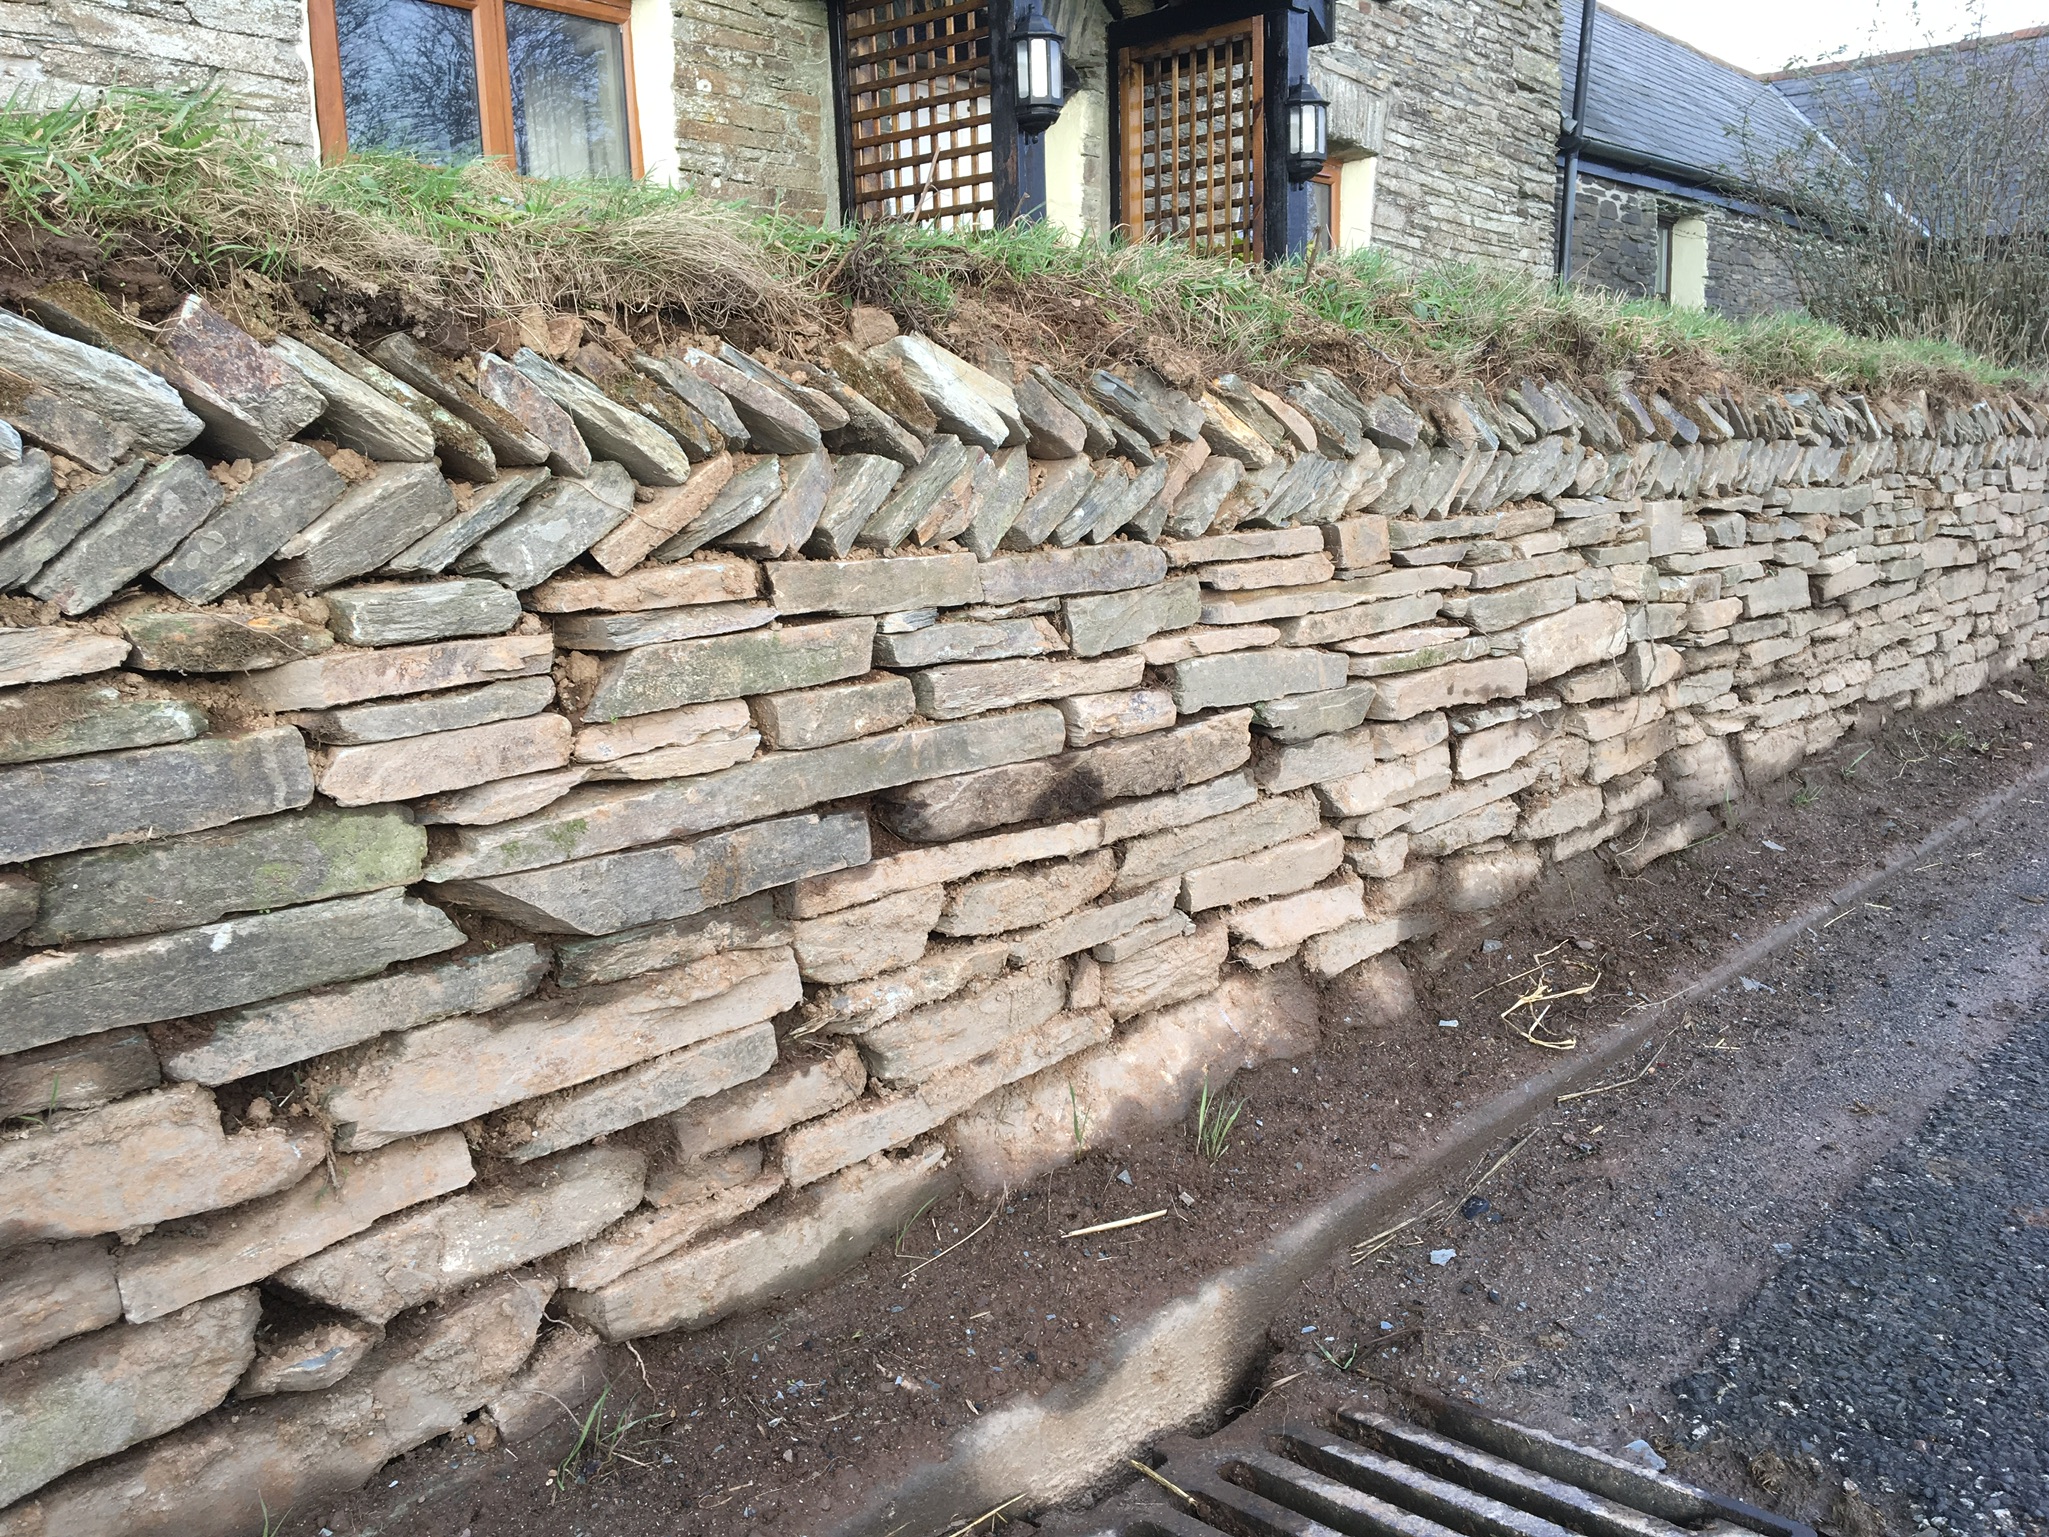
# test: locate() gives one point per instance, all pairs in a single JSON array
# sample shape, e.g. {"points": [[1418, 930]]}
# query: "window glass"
{"points": [[409, 78], [568, 93], [1323, 235]]}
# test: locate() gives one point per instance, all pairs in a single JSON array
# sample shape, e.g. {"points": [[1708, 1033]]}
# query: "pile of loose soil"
{"points": [[785, 1420]]}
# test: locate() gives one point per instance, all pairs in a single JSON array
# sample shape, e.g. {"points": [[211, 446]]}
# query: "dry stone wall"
{"points": [[616, 831]]}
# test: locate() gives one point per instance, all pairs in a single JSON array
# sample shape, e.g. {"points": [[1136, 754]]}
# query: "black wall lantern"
{"points": [[1041, 91], [1308, 132]]}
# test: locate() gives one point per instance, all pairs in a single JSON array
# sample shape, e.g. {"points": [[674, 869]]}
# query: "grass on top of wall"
{"points": [[184, 181]]}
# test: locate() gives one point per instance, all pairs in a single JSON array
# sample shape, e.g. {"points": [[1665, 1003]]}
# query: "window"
{"points": [[1193, 139], [1662, 280], [920, 112], [1324, 210], [547, 87]]}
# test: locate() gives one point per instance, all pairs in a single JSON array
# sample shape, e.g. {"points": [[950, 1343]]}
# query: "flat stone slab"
{"points": [[655, 626], [179, 1264], [1023, 899], [612, 430], [444, 1246], [119, 390], [42, 653], [1063, 573], [651, 678], [514, 393], [239, 1042], [885, 586], [422, 714], [70, 515], [705, 579], [368, 524], [928, 1041], [446, 1073], [356, 415], [57, 994], [839, 712], [914, 869], [535, 1128], [479, 509], [667, 512], [796, 1090], [1113, 621], [610, 892], [146, 1159], [78, 1074], [601, 818], [250, 866], [552, 527], [687, 726], [1252, 677], [250, 401], [969, 688], [990, 640], [285, 493], [171, 499], [510, 442], [150, 792], [216, 640], [402, 613], [346, 676], [91, 1398], [411, 767], [54, 1291], [749, 924]]}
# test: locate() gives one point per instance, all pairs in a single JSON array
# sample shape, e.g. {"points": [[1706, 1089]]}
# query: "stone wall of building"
{"points": [[51, 51], [754, 104], [1615, 246], [1467, 169], [621, 832]]}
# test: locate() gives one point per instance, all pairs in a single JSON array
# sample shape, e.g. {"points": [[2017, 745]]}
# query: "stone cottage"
{"points": [[1173, 115], [1663, 204]]}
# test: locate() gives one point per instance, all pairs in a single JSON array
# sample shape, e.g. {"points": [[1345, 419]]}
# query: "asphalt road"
{"points": [[1906, 1341]]}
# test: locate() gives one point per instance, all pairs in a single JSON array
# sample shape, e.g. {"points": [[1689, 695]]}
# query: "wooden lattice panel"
{"points": [[920, 112], [1194, 139]]}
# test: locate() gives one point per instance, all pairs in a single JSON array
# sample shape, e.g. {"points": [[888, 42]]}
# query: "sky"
{"points": [[1764, 35]]}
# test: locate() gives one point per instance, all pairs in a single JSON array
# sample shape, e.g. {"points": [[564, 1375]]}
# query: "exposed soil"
{"points": [[783, 1421]]}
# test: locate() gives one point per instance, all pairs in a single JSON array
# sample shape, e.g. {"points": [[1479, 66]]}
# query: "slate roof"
{"points": [[1831, 94], [1658, 104]]}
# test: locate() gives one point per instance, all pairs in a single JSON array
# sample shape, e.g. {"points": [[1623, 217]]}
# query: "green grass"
{"points": [[1214, 1121], [184, 180]]}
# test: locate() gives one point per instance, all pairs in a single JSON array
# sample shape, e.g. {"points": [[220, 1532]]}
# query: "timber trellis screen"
{"points": [[1193, 132], [920, 112]]}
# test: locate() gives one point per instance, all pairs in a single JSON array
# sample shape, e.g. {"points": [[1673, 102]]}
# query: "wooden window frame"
{"points": [[1332, 176], [494, 72], [1130, 60]]}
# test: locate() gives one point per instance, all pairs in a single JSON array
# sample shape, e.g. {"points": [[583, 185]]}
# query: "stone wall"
{"points": [[1615, 246], [52, 51], [1467, 169], [620, 832], [754, 112]]}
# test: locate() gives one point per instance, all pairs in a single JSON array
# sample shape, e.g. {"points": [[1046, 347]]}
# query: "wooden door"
{"points": [[1192, 146], [920, 112]]}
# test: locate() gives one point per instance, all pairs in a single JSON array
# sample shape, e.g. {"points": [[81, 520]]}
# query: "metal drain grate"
{"points": [[1457, 1473]]}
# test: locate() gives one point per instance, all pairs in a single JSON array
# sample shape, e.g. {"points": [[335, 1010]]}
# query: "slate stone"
{"points": [[362, 774], [662, 677], [119, 390], [19, 898], [969, 403], [1060, 573], [610, 892], [749, 924], [622, 632], [1301, 717], [250, 401], [998, 503], [346, 675], [250, 866], [751, 490], [1249, 677], [701, 397], [820, 407], [954, 509], [869, 429], [970, 688], [479, 509], [915, 496], [215, 640], [517, 395], [1101, 436], [1390, 423], [285, 493], [775, 424], [1125, 403], [984, 641], [1052, 431], [839, 712], [690, 427], [874, 586], [43, 653], [63, 427], [462, 450], [77, 1074], [61, 522], [665, 512], [613, 431], [451, 711], [1061, 487], [66, 719], [58, 994], [1196, 508], [552, 527], [787, 522], [601, 818], [500, 800], [356, 415], [436, 378], [170, 500], [397, 613], [1102, 622], [222, 1047], [371, 522], [10, 445], [150, 792]]}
